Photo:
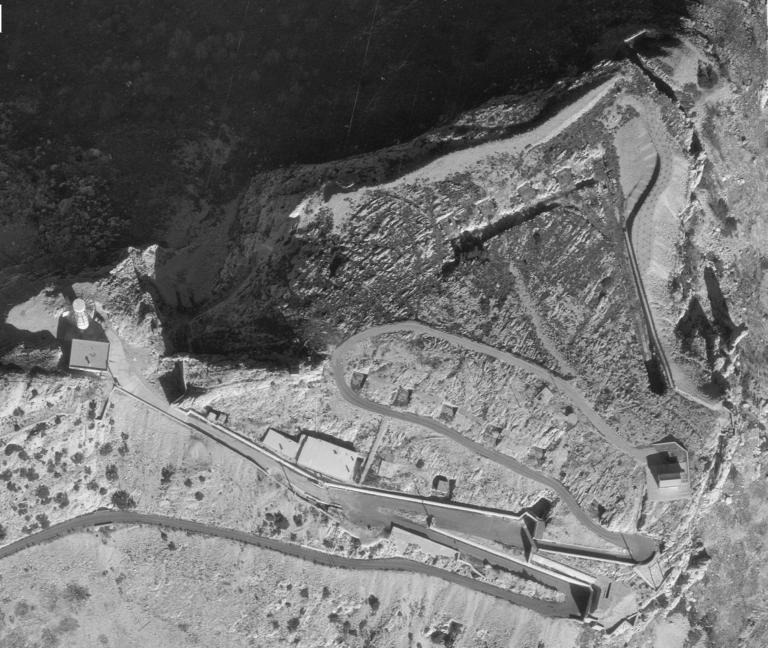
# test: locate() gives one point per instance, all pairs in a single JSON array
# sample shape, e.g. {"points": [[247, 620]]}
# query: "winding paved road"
{"points": [[568, 608], [640, 548]]}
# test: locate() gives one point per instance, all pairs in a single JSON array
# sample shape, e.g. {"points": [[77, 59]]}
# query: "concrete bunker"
{"points": [[402, 397], [667, 476]]}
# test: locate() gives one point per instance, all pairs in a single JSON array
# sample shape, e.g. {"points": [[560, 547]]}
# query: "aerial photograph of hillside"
{"points": [[377, 324]]}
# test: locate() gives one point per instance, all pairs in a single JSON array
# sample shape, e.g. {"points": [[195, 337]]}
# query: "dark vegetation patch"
{"points": [[294, 82], [166, 474], [43, 493], [76, 593], [122, 500]]}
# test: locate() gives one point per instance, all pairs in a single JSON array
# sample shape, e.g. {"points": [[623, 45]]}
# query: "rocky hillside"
{"points": [[243, 241]]}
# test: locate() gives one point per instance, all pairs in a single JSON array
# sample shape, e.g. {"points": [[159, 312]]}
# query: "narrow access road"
{"points": [[361, 504], [640, 548], [578, 593], [644, 202], [103, 516], [527, 303]]}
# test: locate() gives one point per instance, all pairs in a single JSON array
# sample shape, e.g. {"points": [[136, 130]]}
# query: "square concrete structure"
{"points": [[447, 412], [667, 476], [281, 443], [89, 355], [402, 397], [358, 380], [328, 458]]}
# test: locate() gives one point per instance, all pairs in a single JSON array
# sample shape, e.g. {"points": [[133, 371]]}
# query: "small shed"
{"points": [[447, 412], [402, 397], [89, 355], [443, 487], [358, 380], [494, 433]]}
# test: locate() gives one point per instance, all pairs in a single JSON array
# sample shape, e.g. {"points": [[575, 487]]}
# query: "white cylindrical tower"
{"points": [[80, 313]]}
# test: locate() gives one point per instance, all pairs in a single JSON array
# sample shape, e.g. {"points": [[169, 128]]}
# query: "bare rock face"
{"points": [[129, 299]]}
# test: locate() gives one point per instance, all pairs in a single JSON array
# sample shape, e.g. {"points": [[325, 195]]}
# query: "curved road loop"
{"points": [[640, 548], [566, 609]]}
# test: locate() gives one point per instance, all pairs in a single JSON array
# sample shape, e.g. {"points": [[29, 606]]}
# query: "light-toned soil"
{"points": [[124, 587]]}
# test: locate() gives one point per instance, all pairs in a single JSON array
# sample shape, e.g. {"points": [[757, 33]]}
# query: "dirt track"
{"points": [[566, 609]]}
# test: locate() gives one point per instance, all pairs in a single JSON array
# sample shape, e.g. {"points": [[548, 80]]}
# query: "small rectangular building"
{"points": [[667, 475], [89, 355], [281, 443], [328, 458]]}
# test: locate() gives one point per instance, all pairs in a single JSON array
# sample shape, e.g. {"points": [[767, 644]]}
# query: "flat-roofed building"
{"points": [[89, 355], [281, 443], [328, 458], [667, 475]]}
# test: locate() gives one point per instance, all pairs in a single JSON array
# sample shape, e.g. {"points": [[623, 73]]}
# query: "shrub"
{"points": [[111, 472], [166, 474], [123, 500], [75, 593], [68, 624]]}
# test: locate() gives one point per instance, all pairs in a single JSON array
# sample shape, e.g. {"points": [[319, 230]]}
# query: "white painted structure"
{"points": [[328, 458], [80, 314]]}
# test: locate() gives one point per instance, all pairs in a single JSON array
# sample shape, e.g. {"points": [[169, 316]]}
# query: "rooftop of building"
{"points": [[89, 355], [328, 458], [667, 475]]}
